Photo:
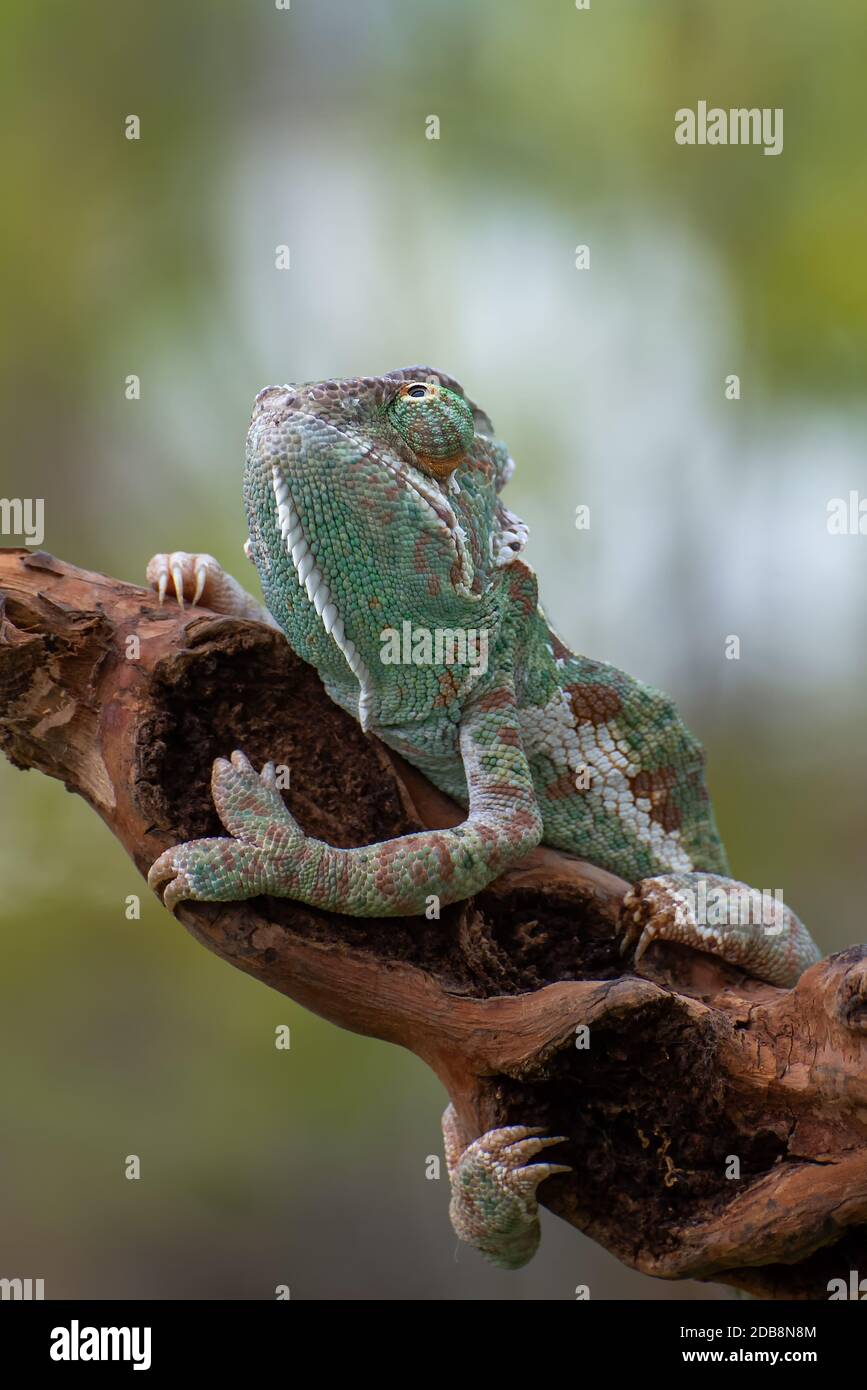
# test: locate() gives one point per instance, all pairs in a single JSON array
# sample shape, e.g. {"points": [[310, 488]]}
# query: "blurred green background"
{"points": [[306, 127]]}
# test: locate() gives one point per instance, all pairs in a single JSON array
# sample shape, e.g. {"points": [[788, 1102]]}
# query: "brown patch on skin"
{"points": [[525, 595], [561, 788], [593, 704], [441, 468], [443, 854], [344, 877], [495, 699], [420, 560], [561, 653], [373, 602], [448, 690], [433, 586], [480, 458], [332, 872], [456, 574], [374, 504], [510, 737], [657, 788], [503, 789], [384, 879], [523, 820], [489, 839]]}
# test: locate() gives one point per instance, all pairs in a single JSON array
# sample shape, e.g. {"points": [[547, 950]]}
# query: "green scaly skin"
{"points": [[373, 503]]}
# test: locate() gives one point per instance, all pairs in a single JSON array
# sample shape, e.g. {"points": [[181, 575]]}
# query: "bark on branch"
{"points": [[689, 1061]]}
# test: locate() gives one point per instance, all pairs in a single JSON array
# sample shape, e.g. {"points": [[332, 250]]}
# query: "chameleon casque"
{"points": [[375, 500]]}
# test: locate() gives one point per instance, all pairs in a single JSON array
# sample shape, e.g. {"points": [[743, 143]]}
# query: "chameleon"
{"points": [[382, 544]]}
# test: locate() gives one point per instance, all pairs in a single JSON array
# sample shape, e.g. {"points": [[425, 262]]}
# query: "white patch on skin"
{"points": [[550, 732], [310, 578], [511, 536]]}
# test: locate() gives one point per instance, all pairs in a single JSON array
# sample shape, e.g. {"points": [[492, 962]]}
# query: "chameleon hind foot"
{"points": [[744, 926], [493, 1205]]}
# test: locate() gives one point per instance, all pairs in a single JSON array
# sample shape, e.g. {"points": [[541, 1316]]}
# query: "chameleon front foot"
{"points": [[262, 854], [753, 930], [493, 1205], [190, 574], [196, 577]]}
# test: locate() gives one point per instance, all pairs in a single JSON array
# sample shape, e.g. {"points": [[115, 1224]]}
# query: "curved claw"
{"points": [[178, 581], [528, 1179], [162, 871], [647, 938], [629, 924], [528, 1148], [201, 579], [631, 935], [158, 873], [496, 1140]]}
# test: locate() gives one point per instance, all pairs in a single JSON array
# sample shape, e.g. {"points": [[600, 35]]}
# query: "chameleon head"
{"points": [[372, 501]]}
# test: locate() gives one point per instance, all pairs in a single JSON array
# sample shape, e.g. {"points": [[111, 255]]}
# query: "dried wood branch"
{"points": [[690, 1063]]}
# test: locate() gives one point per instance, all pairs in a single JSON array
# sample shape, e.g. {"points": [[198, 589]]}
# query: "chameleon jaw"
{"points": [[311, 579]]}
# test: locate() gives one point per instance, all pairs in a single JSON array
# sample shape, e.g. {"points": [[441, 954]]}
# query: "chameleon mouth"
{"points": [[311, 579]]}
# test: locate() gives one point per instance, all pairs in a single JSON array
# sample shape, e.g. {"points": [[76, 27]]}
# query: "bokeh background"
{"points": [[306, 127]]}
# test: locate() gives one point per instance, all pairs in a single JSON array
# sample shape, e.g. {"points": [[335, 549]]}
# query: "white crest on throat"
{"points": [[311, 579]]}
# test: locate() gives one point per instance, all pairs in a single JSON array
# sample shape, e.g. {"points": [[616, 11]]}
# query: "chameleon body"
{"points": [[389, 561]]}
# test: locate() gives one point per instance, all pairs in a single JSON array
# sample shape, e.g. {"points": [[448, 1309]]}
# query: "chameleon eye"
{"points": [[436, 423]]}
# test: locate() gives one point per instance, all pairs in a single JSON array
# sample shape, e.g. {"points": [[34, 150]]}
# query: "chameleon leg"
{"points": [[200, 578], [493, 1206], [269, 853], [724, 917]]}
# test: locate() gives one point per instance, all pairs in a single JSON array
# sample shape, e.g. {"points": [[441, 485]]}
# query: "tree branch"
{"points": [[690, 1064]]}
